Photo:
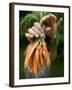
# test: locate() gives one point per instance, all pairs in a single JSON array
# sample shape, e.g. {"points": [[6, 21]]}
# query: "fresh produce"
{"points": [[36, 56], [29, 53]]}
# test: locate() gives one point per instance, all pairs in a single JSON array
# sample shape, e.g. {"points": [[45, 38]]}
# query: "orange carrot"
{"points": [[41, 57], [43, 44], [48, 57], [36, 61], [36, 56], [27, 51], [45, 53], [34, 67], [30, 53], [39, 63], [30, 61]]}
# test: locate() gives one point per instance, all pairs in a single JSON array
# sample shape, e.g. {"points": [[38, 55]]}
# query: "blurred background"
{"points": [[26, 20]]}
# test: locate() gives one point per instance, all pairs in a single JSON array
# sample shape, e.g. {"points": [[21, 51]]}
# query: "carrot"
{"points": [[45, 53], [30, 61], [36, 56], [43, 44], [29, 54], [27, 51], [38, 63], [35, 62], [34, 67], [41, 57], [48, 57]]}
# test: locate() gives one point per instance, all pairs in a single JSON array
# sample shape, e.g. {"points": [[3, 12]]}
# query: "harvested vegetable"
{"points": [[36, 56], [41, 58], [35, 61], [29, 52]]}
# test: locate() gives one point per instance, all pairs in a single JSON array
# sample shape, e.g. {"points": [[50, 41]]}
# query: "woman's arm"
{"points": [[51, 31], [52, 49]]}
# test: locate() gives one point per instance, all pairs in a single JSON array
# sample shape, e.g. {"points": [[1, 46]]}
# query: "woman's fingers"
{"points": [[38, 26], [59, 22], [28, 35], [48, 29], [36, 30], [32, 32], [53, 18], [44, 19]]}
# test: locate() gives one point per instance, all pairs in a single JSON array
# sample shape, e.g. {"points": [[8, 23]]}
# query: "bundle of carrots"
{"points": [[36, 56]]}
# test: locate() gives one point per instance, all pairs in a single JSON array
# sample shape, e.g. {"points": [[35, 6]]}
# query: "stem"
{"points": [[40, 41]]}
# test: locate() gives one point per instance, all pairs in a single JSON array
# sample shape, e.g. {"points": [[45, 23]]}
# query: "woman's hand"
{"points": [[39, 29], [35, 31], [52, 24]]}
